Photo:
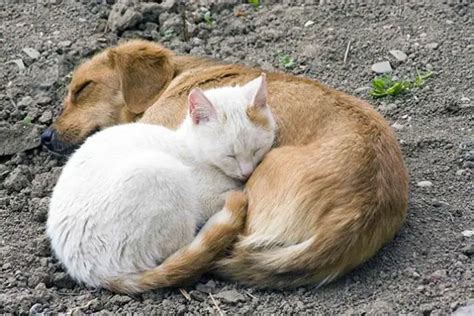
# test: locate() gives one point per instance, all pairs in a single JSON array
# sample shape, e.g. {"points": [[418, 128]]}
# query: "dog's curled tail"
{"points": [[190, 262], [325, 256]]}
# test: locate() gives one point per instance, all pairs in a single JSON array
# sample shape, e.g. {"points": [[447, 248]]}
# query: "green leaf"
{"points": [[208, 18], [386, 85], [378, 84], [254, 3], [27, 120], [287, 61], [168, 34]]}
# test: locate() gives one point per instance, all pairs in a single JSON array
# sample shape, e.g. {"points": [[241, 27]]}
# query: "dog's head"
{"points": [[115, 86]]}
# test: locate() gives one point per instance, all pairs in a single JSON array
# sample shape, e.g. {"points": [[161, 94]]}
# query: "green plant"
{"points": [[287, 61], [254, 3], [27, 120], [208, 18], [385, 85], [168, 34]]}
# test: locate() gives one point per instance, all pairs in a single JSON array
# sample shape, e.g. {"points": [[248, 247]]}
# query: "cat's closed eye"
{"points": [[231, 156], [256, 151]]}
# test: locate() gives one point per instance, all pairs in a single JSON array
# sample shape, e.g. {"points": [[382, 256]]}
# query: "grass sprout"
{"points": [[254, 3], [287, 61], [386, 85], [208, 18]]}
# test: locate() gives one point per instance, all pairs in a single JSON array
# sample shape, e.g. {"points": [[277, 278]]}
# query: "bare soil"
{"points": [[428, 268]]}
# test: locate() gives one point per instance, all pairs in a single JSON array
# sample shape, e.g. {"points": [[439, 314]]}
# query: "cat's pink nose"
{"points": [[246, 168]]}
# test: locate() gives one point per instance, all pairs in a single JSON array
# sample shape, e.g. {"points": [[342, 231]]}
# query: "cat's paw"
{"points": [[236, 202]]}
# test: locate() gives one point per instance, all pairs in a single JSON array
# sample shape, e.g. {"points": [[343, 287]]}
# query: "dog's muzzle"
{"points": [[51, 141]]}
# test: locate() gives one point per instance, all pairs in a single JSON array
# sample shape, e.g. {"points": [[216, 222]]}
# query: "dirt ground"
{"points": [[428, 268]]}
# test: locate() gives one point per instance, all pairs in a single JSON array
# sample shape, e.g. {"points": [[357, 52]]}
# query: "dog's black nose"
{"points": [[47, 136]]}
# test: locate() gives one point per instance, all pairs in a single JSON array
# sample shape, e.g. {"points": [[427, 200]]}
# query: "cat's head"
{"points": [[231, 128]]}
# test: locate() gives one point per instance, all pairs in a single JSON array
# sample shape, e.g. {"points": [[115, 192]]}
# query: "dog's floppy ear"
{"points": [[145, 68]]}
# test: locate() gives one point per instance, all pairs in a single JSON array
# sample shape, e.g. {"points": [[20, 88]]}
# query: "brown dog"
{"points": [[326, 200]]}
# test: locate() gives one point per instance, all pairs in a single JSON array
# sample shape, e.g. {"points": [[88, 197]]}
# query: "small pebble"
{"points": [[31, 52], [231, 297], [63, 280], [46, 117], [397, 126], [382, 67], [361, 89], [425, 184], [468, 233], [438, 275], [399, 55], [432, 46], [468, 250], [35, 309], [460, 172]]}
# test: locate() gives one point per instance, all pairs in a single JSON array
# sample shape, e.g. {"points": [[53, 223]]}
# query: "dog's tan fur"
{"points": [[326, 200]]}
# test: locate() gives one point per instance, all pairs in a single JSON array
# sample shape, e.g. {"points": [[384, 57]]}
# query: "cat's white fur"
{"points": [[134, 194]]}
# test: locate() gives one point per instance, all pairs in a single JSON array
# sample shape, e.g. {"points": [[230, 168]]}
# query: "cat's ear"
{"points": [[200, 107], [257, 91]]}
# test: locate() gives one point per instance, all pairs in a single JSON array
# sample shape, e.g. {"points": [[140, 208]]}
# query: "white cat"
{"points": [[133, 195]]}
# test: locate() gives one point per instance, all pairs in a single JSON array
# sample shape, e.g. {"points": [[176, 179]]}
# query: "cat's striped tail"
{"points": [[190, 262]]}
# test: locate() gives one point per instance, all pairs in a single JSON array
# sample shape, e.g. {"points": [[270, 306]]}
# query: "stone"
{"points": [[63, 280], [42, 100], [236, 27], [150, 11], [399, 55], [123, 17], [120, 299], [170, 5], [467, 310], [425, 184], [468, 233], [20, 137], [438, 203], [31, 52], [42, 247], [460, 172], [16, 181], [438, 275], [36, 309], [384, 108], [198, 296], [46, 117], [382, 67], [37, 278], [230, 297], [46, 77], [361, 89], [468, 250], [40, 207], [19, 62], [469, 156], [64, 44], [426, 309], [209, 287], [397, 126], [308, 23], [468, 164], [150, 27], [432, 46]]}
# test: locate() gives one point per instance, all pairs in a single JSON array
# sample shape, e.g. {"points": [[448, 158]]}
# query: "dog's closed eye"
{"points": [[80, 89]]}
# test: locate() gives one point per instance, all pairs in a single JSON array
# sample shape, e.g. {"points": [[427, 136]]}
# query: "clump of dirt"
{"points": [[427, 269]]}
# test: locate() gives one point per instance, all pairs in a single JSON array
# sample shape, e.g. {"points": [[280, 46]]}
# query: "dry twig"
{"points": [[216, 305]]}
